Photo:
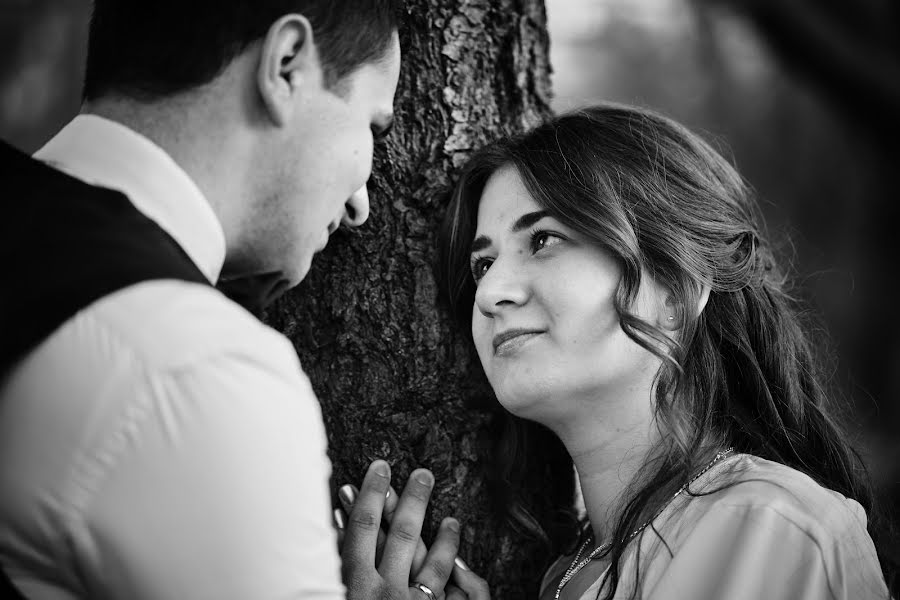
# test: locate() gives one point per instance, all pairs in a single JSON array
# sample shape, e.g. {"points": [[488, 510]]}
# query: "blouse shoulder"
{"points": [[766, 524], [755, 483], [751, 528]]}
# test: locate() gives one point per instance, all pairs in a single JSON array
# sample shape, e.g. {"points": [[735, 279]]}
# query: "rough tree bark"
{"points": [[396, 380]]}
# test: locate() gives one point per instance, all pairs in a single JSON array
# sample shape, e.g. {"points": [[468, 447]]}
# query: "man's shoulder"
{"points": [[28, 176], [171, 324]]}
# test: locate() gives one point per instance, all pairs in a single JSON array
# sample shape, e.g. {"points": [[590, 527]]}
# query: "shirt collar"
{"points": [[108, 154]]}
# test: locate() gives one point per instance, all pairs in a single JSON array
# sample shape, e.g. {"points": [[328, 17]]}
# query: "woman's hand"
{"points": [[347, 495], [468, 585], [388, 575], [427, 565]]}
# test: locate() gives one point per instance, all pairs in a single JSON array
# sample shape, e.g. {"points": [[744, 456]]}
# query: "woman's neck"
{"points": [[609, 450]]}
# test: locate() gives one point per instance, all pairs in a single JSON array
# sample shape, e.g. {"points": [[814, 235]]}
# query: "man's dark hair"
{"points": [[157, 48]]}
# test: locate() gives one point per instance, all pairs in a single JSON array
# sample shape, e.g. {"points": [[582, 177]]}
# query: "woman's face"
{"points": [[544, 322]]}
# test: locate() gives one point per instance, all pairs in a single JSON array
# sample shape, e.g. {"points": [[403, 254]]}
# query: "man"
{"points": [[157, 441]]}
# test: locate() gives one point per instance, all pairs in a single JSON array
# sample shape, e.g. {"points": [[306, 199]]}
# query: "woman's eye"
{"points": [[480, 267], [543, 239]]}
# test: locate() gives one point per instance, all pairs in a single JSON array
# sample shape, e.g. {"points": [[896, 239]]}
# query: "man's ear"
{"points": [[289, 65]]}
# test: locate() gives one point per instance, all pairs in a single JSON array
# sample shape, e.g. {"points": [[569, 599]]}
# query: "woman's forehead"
{"points": [[504, 199]]}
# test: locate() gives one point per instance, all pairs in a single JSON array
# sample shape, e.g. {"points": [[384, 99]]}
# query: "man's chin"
{"points": [[298, 273], [323, 241], [257, 291]]}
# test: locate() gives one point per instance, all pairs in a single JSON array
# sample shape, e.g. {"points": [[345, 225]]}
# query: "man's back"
{"points": [[183, 453], [67, 243], [160, 442]]}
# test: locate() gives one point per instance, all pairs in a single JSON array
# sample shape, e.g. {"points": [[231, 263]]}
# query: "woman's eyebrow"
{"points": [[480, 243], [522, 223], [528, 219]]}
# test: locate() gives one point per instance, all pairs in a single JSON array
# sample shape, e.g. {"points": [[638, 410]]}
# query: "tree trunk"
{"points": [[395, 377]]}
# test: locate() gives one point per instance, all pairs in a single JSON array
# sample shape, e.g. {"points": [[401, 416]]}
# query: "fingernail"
{"points": [[339, 518], [381, 468], [461, 564], [425, 478], [453, 525], [347, 494], [387, 494]]}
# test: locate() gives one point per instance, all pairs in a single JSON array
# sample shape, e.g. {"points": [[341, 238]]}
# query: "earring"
{"points": [[670, 318]]}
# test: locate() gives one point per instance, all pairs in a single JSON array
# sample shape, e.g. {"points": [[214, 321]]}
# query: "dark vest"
{"points": [[63, 245]]}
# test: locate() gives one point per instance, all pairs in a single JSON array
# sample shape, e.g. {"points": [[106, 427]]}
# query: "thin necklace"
{"points": [[577, 563]]}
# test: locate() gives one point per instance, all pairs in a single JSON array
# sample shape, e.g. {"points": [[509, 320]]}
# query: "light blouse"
{"points": [[772, 533]]}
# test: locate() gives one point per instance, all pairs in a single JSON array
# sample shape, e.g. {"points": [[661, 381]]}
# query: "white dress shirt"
{"points": [[770, 532], [162, 443]]}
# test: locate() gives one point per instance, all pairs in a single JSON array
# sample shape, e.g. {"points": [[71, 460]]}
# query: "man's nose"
{"points": [[357, 208]]}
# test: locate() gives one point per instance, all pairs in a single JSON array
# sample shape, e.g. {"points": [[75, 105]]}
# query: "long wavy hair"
{"points": [[742, 373]]}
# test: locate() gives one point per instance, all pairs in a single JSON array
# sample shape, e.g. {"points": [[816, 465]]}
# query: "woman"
{"points": [[621, 295]]}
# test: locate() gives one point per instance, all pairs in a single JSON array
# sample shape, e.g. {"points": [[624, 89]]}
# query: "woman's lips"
{"points": [[509, 341]]}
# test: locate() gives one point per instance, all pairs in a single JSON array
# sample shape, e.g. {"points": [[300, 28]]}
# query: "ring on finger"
{"points": [[424, 589]]}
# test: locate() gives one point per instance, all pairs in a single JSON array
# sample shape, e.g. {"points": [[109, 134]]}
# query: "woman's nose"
{"points": [[503, 286]]}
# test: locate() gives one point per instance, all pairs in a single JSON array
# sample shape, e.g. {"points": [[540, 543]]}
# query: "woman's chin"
{"points": [[522, 401]]}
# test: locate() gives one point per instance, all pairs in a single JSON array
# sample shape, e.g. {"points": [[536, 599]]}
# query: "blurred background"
{"points": [[803, 95]]}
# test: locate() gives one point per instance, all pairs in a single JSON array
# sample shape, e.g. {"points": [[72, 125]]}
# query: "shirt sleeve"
{"points": [[215, 486], [752, 552]]}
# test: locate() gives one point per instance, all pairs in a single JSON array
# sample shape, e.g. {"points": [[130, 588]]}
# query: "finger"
{"points": [[340, 525], [390, 506], [474, 586], [439, 563], [347, 495], [406, 527], [364, 520], [451, 592], [349, 492], [379, 546]]}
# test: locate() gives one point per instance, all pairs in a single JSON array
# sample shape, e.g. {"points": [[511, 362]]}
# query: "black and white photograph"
{"points": [[449, 300]]}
